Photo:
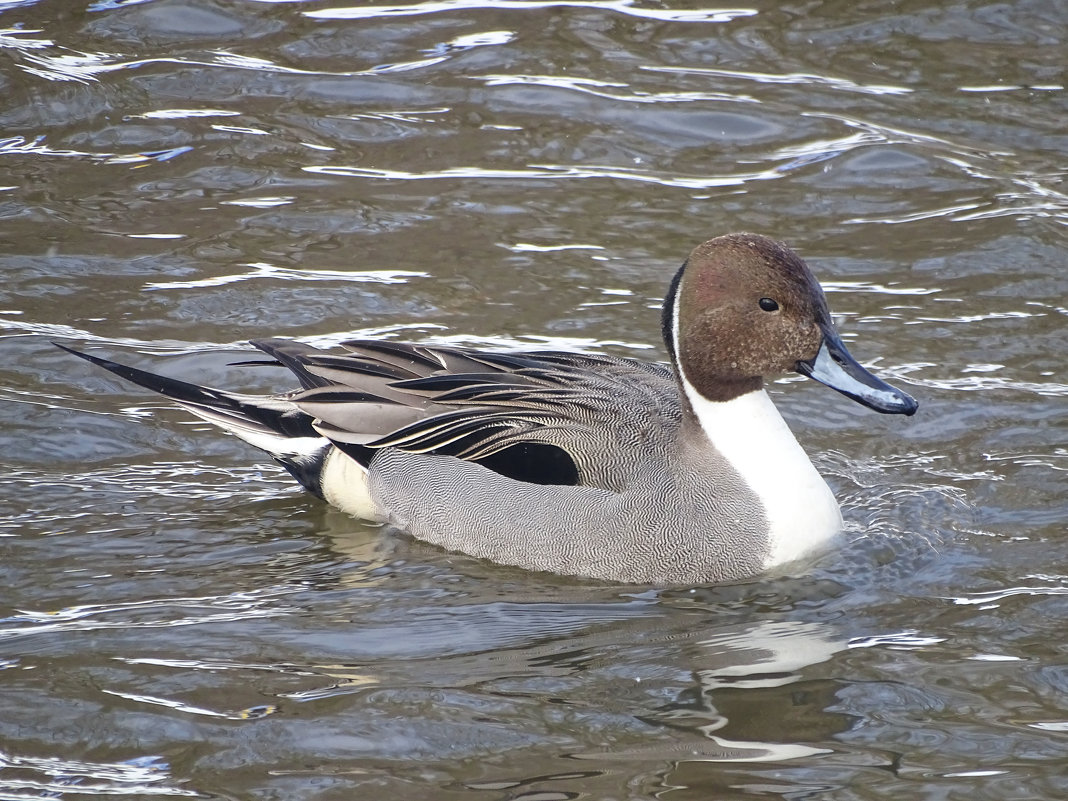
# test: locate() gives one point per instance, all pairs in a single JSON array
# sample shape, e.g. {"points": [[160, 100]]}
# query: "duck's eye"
{"points": [[769, 305]]}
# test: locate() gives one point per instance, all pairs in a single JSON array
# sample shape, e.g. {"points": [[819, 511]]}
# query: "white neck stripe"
{"points": [[751, 435]]}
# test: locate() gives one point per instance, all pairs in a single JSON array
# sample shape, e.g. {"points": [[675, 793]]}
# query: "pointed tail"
{"points": [[272, 424]]}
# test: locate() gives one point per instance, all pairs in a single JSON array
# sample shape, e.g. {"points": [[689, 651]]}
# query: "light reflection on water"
{"points": [[239, 606], [619, 6], [179, 179], [54, 777]]}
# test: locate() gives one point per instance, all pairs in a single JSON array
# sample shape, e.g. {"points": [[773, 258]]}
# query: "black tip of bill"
{"points": [[837, 369]]}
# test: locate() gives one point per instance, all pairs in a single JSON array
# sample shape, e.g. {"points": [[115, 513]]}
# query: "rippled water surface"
{"points": [[179, 176]]}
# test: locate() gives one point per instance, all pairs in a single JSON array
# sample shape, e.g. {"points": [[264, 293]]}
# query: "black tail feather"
{"points": [[275, 417]]}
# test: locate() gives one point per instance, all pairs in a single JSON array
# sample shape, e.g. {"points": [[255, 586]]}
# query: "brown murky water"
{"points": [[184, 175]]}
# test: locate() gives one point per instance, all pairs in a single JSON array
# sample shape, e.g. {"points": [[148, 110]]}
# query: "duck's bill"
{"points": [[834, 367]]}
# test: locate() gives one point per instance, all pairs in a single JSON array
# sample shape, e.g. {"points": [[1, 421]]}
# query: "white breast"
{"points": [[803, 515]]}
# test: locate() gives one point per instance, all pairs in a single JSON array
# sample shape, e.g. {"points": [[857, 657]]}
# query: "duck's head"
{"points": [[744, 307]]}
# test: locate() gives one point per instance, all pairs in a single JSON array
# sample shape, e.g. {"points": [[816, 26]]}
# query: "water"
{"points": [[179, 177]]}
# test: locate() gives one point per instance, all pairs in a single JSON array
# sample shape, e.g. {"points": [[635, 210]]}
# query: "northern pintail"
{"points": [[575, 463]]}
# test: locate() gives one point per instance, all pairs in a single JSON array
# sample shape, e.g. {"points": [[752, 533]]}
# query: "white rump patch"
{"points": [[344, 484]]}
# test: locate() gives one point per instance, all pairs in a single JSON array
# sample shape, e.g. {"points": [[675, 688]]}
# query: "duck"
{"points": [[581, 464]]}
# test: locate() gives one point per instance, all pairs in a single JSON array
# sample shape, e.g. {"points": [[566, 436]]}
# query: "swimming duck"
{"points": [[581, 464]]}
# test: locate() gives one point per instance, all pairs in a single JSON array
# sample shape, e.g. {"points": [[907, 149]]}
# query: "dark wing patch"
{"points": [[535, 463]]}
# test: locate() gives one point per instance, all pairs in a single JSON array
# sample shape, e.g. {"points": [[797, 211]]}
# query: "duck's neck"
{"points": [[750, 434]]}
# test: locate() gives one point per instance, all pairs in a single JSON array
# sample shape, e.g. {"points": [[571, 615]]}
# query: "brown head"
{"points": [[744, 307]]}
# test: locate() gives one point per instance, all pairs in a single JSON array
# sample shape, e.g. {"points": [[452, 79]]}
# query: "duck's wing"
{"points": [[540, 417]]}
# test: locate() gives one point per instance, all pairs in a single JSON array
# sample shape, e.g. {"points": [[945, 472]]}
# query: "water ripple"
{"points": [[397, 115], [36, 147], [182, 114], [261, 270], [901, 640], [141, 776], [1056, 460], [150, 613], [594, 87], [879, 289], [993, 597], [625, 7], [802, 78], [249, 713], [553, 172], [84, 67], [974, 383], [192, 480]]}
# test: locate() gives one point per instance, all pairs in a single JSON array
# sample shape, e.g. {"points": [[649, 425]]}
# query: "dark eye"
{"points": [[768, 304]]}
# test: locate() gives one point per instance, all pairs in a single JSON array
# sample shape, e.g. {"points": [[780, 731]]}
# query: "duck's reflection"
{"points": [[752, 700]]}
